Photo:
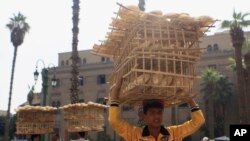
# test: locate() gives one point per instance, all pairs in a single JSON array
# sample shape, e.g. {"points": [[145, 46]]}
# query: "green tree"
{"points": [[18, 28], [246, 66], [246, 47], [2, 124], [237, 38], [209, 80], [223, 93], [75, 57], [217, 90]]}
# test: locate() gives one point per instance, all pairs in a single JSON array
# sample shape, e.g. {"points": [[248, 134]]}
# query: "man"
{"points": [[82, 136], [153, 116], [35, 137]]}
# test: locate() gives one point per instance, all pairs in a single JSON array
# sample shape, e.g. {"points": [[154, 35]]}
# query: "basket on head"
{"points": [[155, 54], [35, 119], [84, 117]]}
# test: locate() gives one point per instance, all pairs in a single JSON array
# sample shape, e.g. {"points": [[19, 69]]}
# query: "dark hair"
{"points": [[34, 136], [82, 134], [152, 103]]}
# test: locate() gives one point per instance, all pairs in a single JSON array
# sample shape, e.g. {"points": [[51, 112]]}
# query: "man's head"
{"points": [[153, 112], [35, 137], [82, 134]]}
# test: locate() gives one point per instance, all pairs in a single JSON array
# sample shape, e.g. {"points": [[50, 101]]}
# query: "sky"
{"points": [[50, 32]]}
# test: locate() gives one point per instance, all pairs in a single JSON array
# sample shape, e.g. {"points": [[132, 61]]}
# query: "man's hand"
{"points": [[115, 89]]}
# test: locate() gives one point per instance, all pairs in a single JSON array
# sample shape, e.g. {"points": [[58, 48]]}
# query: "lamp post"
{"points": [[45, 81]]}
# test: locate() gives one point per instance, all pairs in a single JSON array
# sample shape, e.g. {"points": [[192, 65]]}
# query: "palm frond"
{"points": [[226, 24], [234, 15], [244, 15], [244, 23], [238, 15]]}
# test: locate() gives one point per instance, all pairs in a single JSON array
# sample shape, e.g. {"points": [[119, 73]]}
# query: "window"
{"points": [[81, 80], [67, 62], [212, 66], [103, 59], [101, 79], [62, 63], [216, 47], [84, 61], [209, 48]]}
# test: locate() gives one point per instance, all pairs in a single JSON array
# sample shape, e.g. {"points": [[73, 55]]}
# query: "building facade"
{"points": [[217, 49], [94, 73]]}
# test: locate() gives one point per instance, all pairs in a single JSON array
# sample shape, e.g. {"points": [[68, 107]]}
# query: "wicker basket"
{"points": [[84, 117], [155, 54], [35, 120]]}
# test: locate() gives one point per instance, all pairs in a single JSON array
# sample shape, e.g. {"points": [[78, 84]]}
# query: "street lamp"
{"points": [[53, 80], [45, 78]]}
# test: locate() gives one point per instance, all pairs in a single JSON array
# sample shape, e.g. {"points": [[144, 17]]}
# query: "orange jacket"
{"points": [[172, 133]]}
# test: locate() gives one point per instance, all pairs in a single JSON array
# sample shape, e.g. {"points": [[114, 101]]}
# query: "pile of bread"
{"points": [[35, 119], [78, 117], [84, 116]]}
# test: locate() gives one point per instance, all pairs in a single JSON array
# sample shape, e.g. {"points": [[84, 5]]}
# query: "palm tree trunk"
{"points": [[241, 86], [247, 76], [75, 59], [211, 116], [6, 133], [237, 37]]}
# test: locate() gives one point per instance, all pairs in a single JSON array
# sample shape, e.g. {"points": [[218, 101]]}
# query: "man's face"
{"points": [[153, 117]]}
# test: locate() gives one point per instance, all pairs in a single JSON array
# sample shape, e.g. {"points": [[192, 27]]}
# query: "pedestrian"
{"points": [[35, 137], [153, 115]]}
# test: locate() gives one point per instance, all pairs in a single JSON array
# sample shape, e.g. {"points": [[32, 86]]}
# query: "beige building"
{"points": [[217, 49], [94, 72], [3, 113]]}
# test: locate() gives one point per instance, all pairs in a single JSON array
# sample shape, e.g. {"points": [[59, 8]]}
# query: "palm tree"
{"points": [[237, 38], [246, 46], [209, 78], [141, 5], [18, 28], [75, 58], [223, 93], [246, 66]]}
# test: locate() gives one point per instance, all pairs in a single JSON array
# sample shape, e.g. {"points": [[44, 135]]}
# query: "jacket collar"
{"points": [[163, 131]]}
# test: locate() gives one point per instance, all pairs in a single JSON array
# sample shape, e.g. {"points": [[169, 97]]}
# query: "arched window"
{"points": [[62, 63], [209, 48], [103, 59], [216, 47], [84, 61]]}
